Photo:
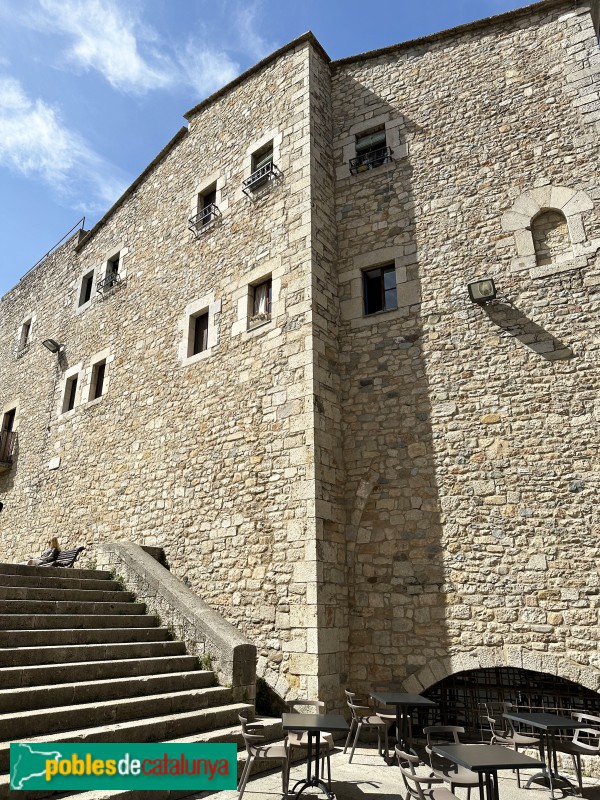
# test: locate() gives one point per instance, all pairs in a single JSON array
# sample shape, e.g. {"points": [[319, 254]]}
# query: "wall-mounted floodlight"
{"points": [[52, 345], [482, 291]]}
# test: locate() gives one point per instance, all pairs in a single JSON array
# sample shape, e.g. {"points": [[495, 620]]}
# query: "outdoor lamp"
{"points": [[52, 345], [482, 291]]}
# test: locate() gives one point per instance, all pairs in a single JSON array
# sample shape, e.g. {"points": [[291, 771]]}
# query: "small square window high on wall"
{"points": [[371, 151], [379, 289]]}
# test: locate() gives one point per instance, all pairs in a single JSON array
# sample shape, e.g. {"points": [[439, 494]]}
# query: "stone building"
{"points": [[372, 476]]}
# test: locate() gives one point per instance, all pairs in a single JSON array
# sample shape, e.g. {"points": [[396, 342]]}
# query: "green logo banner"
{"points": [[88, 766]]}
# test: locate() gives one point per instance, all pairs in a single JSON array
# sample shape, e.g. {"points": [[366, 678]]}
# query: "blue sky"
{"points": [[92, 90]]}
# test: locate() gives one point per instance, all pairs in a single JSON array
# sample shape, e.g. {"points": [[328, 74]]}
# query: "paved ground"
{"points": [[368, 778]]}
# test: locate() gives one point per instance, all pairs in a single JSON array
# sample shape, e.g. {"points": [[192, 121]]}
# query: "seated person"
{"points": [[47, 557]]}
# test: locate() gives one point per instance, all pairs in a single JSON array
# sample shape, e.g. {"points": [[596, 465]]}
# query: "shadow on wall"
{"points": [[395, 569], [517, 324]]}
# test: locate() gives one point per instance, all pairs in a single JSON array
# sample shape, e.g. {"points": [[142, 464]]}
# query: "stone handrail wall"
{"points": [[190, 619]]}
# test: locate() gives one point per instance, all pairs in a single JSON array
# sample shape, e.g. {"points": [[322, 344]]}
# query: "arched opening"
{"points": [[551, 240], [462, 698]]}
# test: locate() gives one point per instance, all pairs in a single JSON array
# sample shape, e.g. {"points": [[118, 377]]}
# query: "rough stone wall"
{"points": [[213, 460], [330, 549], [471, 436]]}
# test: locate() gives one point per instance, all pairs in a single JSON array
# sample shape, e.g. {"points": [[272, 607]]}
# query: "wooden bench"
{"points": [[65, 558]]}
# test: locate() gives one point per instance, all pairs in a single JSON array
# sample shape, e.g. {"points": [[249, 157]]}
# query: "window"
{"points": [[85, 293], [379, 289], [70, 394], [112, 276], [8, 420], [207, 210], [260, 296], [263, 170], [551, 238], [262, 157], [25, 335], [198, 334], [7, 438], [371, 151], [98, 375]]}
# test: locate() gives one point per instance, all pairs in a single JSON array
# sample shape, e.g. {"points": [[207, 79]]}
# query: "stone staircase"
{"points": [[81, 660]]}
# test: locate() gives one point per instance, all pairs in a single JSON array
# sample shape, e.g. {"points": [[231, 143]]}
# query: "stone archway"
{"points": [[488, 657]]}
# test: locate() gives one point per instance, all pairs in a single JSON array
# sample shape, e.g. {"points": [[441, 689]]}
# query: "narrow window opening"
{"points": [[263, 170], [70, 394], [379, 289], [25, 337], [112, 266], [85, 295], [198, 338], [8, 420], [98, 373]]}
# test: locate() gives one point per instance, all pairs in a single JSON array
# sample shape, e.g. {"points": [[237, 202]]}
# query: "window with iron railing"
{"points": [[263, 170], [208, 212], [112, 276], [371, 152]]}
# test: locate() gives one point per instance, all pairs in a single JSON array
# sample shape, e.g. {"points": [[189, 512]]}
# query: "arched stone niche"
{"points": [[549, 203], [511, 656]]}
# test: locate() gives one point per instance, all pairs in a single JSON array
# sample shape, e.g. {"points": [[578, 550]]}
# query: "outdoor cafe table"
{"points": [[486, 760], [313, 724], [405, 703], [548, 724]]}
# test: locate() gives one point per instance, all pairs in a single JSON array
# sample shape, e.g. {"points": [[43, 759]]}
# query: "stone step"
{"points": [[14, 677], [54, 572], [152, 729], [64, 621], [46, 582], [70, 595], [27, 656], [53, 638], [38, 722], [51, 696], [68, 607]]}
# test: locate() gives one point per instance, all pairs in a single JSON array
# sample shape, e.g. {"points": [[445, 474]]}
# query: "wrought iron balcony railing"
{"points": [[110, 281], [204, 219], [260, 177], [370, 160], [7, 447]]}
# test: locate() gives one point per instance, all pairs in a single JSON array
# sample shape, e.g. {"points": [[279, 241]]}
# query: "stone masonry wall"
{"points": [[211, 459], [471, 435]]}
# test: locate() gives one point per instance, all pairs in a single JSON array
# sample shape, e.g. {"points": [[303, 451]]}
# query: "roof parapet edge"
{"points": [[305, 37], [507, 16], [130, 189]]}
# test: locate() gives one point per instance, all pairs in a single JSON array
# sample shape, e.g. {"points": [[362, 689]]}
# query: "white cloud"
{"points": [[108, 39], [205, 69], [35, 143], [250, 39]]}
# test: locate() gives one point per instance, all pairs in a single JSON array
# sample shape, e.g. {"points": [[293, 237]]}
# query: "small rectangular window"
{"points": [[25, 337], [8, 420], [262, 157], [112, 266], [379, 289], [371, 151], [207, 204], [261, 295], [70, 394], [98, 373], [198, 338], [87, 283]]}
